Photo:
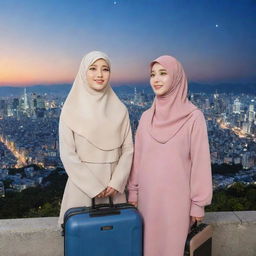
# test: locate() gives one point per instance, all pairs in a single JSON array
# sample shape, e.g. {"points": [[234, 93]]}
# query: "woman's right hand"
{"points": [[134, 203], [102, 193]]}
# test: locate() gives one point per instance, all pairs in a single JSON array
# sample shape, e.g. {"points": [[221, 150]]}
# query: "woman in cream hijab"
{"points": [[95, 138]]}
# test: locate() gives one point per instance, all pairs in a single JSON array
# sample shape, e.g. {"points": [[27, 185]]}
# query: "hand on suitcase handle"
{"points": [[109, 191], [193, 218], [134, 203], [101, 194]]}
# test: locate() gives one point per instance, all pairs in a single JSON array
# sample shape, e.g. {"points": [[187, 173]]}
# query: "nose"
{"points": [[99, 73], [156, 79]]}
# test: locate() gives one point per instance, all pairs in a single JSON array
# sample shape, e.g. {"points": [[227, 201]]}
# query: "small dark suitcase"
{"points": [[199, 240], [103, 230]]}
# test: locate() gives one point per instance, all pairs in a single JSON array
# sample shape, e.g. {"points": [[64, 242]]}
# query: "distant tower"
{"points": [[207, 103], [216, 95], [251, 106], [135, 95], [251, 111], [25, 99], [237, 106]]}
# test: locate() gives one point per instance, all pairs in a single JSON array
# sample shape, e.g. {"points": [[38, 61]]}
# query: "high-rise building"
{"points": [[246, 127], [247, 160], [40, 107], [237, 106], [40, 102], [251, 116], [135, 95], [3, 107], [26, 106], [207, 103], [15, 103]]}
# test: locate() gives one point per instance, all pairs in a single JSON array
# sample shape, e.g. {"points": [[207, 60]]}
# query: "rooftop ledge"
{"points": [[234, 235]]}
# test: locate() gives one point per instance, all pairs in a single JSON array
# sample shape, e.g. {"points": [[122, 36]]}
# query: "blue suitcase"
{"points": [[103, 230]]}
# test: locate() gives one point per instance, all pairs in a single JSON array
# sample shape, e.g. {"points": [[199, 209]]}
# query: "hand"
{"points": [[196, 218], [102, 193], [110, 192], [134, 203]]}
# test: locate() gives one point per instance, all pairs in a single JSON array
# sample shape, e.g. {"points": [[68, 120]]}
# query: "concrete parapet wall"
{"points": [[30, 237], [234, 235]]}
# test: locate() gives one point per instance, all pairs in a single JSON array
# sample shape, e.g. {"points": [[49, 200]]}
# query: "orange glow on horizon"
{"points": [[27, 68], [18, 75], [28, 83]]}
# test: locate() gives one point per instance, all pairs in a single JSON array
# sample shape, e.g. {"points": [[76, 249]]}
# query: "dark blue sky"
{"points": [[44, 41]]}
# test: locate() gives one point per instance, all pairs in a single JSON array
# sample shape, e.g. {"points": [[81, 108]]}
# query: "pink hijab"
{"points": [[171, 111]]}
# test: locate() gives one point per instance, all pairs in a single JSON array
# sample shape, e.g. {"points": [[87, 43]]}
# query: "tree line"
{"points": [[45, 201]]}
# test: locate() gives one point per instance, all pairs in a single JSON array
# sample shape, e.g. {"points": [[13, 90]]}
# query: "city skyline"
{"points": [[43, 42], [29, 134]]}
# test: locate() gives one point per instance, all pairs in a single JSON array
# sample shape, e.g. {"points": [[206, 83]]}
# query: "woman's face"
{"points": [[159, 80], [98, 75]]}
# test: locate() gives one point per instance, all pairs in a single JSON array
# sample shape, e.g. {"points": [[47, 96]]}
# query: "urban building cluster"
{"points": [[29, 133], [30, 177], [231, 129]]}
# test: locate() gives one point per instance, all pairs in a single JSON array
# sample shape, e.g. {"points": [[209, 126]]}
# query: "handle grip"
{"points": [[110, 205]]}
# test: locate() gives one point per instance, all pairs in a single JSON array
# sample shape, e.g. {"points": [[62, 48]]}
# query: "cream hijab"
{"points": [[99, 116], [171, 111]]}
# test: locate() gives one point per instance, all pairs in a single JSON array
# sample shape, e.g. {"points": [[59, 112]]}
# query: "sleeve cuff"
{"points": [[133, 196], [96, 191], [117, 187], [196, 211]]}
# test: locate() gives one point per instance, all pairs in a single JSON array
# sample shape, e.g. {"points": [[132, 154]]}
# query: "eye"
{"points": [[92, 68], [163, 73], [152, 75], [106, 69]]}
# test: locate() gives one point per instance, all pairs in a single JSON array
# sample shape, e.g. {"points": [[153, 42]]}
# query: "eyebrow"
{"points": [[93, 65], [159, 70]]}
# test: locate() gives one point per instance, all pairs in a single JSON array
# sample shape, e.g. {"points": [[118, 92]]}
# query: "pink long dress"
{"points": [[171, 180]]}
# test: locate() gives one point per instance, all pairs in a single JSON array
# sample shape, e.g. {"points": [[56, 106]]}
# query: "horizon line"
{"points": [[116, 84]]}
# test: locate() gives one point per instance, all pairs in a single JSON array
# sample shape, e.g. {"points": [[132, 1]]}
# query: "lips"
{"points": [[157, 87], [99, 81]]}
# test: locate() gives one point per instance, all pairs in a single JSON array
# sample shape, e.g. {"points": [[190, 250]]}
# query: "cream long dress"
{"points": [[90, 170]]}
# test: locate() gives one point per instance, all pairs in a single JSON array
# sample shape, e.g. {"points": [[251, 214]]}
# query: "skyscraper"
{"points": [[26, 106], [237, 106]]}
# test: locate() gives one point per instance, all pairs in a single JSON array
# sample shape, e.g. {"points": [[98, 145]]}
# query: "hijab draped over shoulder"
{"points": [[172, 110], [99, 116]]}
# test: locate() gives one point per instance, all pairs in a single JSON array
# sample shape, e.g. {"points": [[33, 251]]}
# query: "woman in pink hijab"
{"points": [[171, 178]]}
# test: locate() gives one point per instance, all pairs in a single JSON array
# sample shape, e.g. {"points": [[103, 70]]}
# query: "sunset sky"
{"points": [[42, 42]]}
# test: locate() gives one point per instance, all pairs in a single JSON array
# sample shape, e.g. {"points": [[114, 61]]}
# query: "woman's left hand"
{"points": [[196, 218], [110, 192]]}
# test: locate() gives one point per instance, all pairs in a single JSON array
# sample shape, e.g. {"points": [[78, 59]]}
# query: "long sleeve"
{"points": [[133, 184], [121, 173], [77, 171], [201, 177]]}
